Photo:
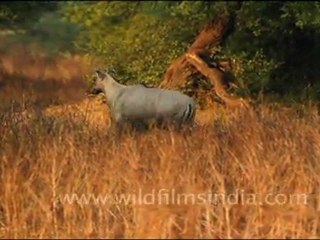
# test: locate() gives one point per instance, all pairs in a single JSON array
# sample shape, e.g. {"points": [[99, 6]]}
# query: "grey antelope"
{"points": [[137, 104]]}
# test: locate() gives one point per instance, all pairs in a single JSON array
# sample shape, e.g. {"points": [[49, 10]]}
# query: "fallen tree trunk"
{"points": [[215, 75], [196, 60]]}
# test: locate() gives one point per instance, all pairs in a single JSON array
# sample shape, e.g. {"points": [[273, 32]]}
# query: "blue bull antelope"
{"points": [[137, 104]]}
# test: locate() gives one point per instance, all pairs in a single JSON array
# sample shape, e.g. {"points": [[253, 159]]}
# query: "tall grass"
{"points": [[46, 154], [47, 158]]}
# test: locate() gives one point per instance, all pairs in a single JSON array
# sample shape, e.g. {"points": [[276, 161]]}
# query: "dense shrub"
{"points": [[274, 45]]}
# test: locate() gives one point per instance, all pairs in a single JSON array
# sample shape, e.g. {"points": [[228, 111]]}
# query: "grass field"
{"points": [[64, 175]]}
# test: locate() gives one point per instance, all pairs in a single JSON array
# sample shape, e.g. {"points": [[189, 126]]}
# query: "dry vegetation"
{"points": [[55, 141]]}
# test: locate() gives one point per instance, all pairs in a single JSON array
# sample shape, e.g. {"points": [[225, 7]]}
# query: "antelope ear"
{"points": [[100, 74]]}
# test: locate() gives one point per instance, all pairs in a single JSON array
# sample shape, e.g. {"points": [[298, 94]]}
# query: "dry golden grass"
{"points": [[61, 147]]}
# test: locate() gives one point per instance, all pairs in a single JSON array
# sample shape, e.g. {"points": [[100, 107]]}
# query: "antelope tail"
{"points": [[188, 114]]}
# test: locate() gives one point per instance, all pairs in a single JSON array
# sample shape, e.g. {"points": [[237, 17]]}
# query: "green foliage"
{"points": [[139, 39], [45, 28], [277, 46], [21, 14], [53, 33], [274, 45]]}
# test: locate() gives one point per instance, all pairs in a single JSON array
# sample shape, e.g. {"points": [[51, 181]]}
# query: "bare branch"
{"points": [[215, 76]]}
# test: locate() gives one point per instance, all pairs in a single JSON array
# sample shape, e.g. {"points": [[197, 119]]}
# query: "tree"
{"points": [[20, 14], [142, 39], [197, 59]]}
